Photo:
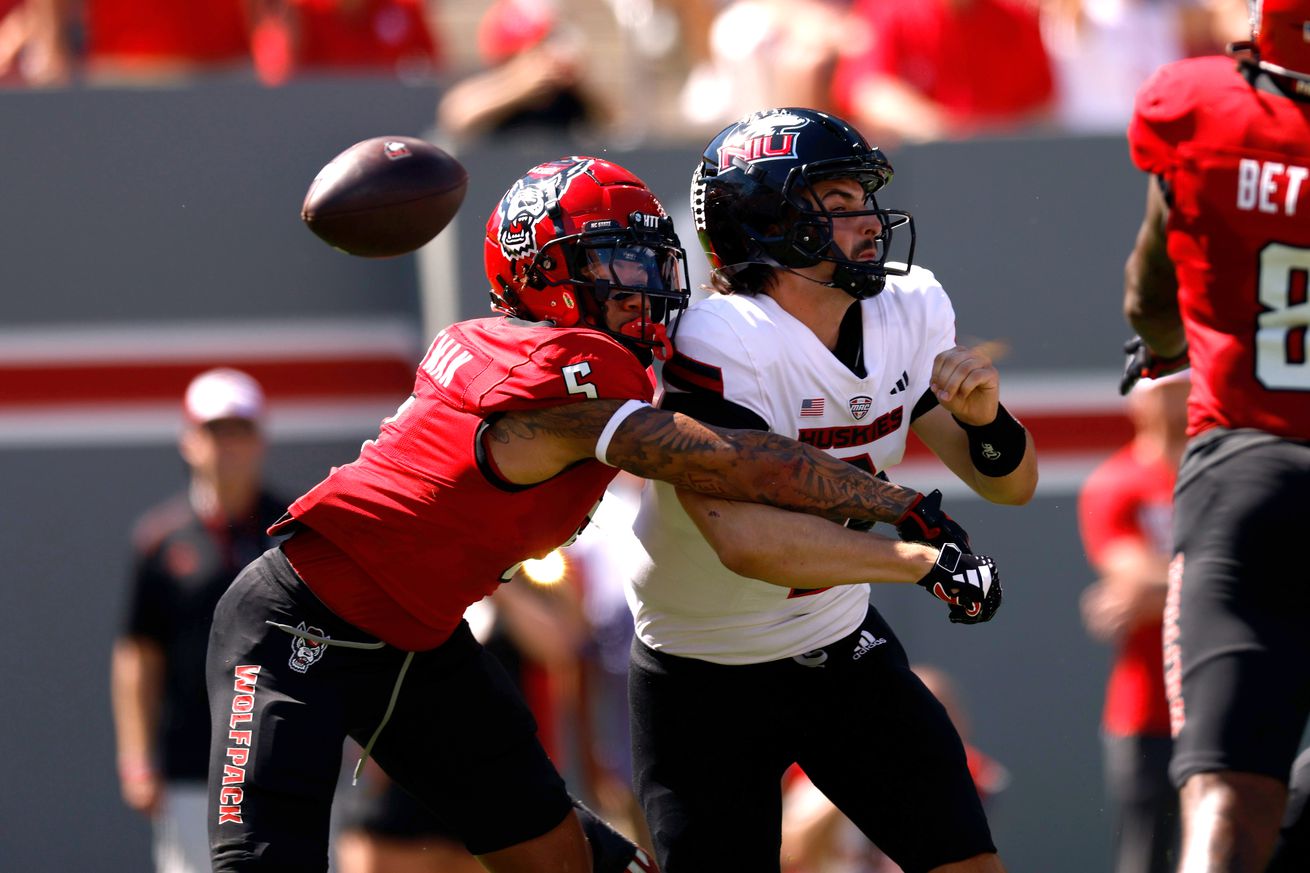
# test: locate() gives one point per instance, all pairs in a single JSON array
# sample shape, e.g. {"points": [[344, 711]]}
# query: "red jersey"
{"points": [[206, 32], [421, 523], [984, 61], [1236, 161], [1125, 499]]}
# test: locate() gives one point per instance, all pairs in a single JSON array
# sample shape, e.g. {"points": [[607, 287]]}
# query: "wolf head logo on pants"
{"points": [[304, 651]]}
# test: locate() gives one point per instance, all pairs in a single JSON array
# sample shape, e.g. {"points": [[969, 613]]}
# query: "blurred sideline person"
{"points": [[1217, 278], [187, 551], [535, 78], [766, 53], [517, 424], [301, 38], [1102, 52], [137, 42], [1125, 510], [935, 69], [757, 646], [817, 838]]}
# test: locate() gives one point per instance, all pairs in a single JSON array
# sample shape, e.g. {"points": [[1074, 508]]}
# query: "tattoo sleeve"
{"points": [[754, 466], [748, 465]]}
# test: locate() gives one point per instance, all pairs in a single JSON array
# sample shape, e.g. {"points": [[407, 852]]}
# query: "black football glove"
{"points": [[1143, 363], [969, 583], [924, 522]]}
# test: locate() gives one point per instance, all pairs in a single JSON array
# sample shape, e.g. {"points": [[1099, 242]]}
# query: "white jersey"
{"points": [[756, 355]]}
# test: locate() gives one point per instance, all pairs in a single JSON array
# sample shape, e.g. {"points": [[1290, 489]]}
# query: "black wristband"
{"points": [[996, 449]]}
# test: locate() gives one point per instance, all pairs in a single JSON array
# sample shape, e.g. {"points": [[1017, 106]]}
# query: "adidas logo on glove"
{"points": [[969, 583]]}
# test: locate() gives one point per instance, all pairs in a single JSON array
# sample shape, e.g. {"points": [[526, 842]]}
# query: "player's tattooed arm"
{"points": [[532, 445], [753, 466]]}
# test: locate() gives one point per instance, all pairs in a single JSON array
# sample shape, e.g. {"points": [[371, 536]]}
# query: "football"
{"points": [[384, 196]]}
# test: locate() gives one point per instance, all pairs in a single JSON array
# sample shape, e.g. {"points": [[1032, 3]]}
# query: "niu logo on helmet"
{"points": [[767, 138]]}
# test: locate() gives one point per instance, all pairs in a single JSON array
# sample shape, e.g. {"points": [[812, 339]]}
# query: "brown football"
{"points": [[384, 196]]}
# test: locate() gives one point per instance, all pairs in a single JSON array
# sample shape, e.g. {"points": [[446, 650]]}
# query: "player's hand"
{"points": [[924, 522], [142, 788], [1115, 605], [1143, 363], [966, 384], [969, 583]]}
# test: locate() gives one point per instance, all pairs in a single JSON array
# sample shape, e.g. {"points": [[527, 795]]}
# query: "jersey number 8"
{"points": [[1280, 334]]}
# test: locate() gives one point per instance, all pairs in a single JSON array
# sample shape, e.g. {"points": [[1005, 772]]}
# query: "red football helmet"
{"points": [[1280, 37], [577, 232]]}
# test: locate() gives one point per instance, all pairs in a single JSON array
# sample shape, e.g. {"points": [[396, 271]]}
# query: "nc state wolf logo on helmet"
{"points": [[304, 651], [769, 137], [527, 202]]}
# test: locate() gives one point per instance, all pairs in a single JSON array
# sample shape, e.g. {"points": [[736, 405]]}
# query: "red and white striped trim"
{"points": [[123, 384]]}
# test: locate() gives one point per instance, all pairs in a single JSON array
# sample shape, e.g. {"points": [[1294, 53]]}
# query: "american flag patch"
{"points": [[812, 407]]}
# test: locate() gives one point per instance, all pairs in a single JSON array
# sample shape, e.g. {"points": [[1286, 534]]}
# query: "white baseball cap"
{"points": [[223, 393]]}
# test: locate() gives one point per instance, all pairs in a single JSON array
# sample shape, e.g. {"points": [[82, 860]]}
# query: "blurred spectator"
{"points": [[152, 42], [943, 68], [694, 19], [536, 77], [817, 838], [135, 42], [1103, 50], [766, 53], [536, 632], [187, 552], [15, 34], [378, 37], [1125, 511]]}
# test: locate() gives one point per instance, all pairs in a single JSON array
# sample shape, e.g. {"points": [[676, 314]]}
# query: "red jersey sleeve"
{"points": [[572, 365], [1163, 117], [499, 365]]}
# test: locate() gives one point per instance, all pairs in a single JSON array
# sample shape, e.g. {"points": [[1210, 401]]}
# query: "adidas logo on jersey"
{"points": [[902, 383], [868, 642]]}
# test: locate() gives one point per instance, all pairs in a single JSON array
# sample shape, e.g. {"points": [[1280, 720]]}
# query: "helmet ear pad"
{"points": [[809, 239]]}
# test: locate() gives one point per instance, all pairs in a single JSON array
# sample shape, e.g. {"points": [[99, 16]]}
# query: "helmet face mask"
{"points": [[575, 234], [1280, 39], [755, 201]]}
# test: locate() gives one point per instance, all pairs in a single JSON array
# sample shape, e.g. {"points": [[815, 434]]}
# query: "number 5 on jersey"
{"points": [[573, 379]]}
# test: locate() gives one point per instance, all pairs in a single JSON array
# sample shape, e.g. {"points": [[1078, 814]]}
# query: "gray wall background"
{"points": [[158, 206]]}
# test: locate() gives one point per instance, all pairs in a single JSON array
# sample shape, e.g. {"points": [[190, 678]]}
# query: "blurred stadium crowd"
{"points": [[628, 69]]}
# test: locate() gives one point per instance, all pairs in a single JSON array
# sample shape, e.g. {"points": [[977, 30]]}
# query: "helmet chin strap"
{"points": [[857, 285]]}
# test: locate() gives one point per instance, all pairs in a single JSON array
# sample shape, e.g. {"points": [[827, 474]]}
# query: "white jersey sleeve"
{"points": [[734, 344]]}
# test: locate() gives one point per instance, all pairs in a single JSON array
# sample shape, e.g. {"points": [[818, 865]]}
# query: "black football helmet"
{"points": [[752, 197]]}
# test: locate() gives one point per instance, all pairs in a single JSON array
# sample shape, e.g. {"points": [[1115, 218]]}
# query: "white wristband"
{"points": [[620, 416]]}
